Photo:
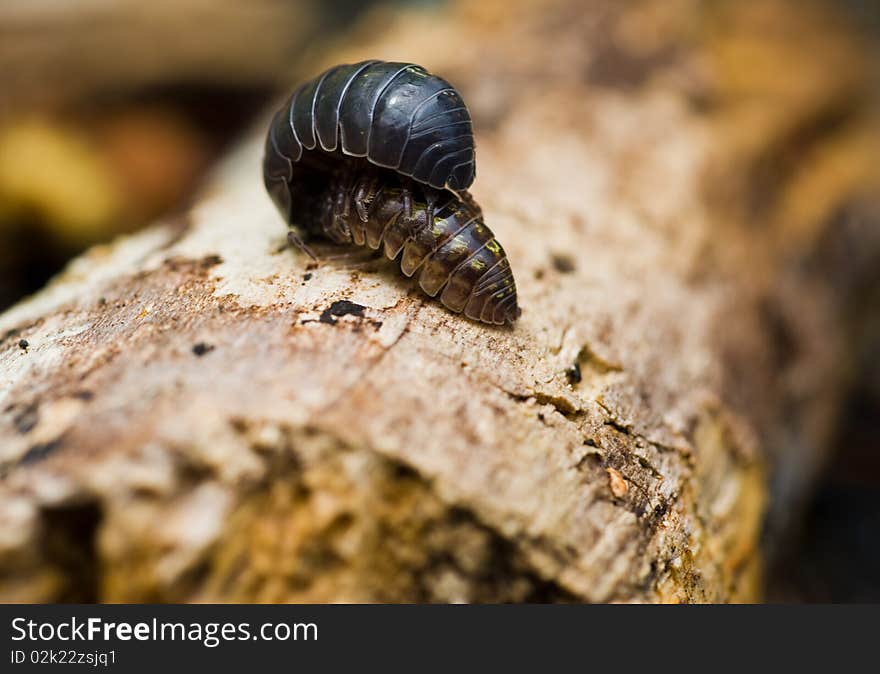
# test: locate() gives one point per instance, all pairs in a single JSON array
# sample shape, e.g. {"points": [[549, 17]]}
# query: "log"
{"points": [[189, 414]]}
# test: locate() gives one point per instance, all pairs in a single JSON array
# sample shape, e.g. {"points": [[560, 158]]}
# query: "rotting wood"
{"points": [[182, 426]]}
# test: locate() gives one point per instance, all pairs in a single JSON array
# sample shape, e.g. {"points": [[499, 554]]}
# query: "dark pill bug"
{"points": [[381, 155]]}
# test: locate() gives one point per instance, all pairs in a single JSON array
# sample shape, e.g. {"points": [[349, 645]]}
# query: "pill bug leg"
{"points": [[409, 215], [366, 191], [431, 198], [337, 228]]}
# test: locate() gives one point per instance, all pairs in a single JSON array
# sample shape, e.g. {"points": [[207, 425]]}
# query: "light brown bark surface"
{"points": [[184, 426]]}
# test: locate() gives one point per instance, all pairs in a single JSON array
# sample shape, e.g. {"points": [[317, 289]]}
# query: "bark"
{"points": [[184, 418]]}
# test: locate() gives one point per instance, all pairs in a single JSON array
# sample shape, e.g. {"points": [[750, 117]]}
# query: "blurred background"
{"points": [[112, 112]]}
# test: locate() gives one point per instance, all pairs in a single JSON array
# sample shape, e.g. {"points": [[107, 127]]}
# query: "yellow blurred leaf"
{"points": [[55, 173]]}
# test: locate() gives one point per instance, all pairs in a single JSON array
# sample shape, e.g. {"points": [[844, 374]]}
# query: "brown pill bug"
{"points": [[381, 155]]}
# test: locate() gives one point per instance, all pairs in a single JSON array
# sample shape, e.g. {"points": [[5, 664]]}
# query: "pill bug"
{"points": [[381, 155]]}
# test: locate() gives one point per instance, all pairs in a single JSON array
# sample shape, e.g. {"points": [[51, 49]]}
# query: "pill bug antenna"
{"points": [[296, 241]]}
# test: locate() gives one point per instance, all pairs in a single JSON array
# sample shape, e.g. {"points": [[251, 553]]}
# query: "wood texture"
{"points": [[186, 420]]}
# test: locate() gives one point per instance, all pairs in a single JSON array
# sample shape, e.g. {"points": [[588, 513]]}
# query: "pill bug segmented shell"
{"points": [[381, 155]]}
